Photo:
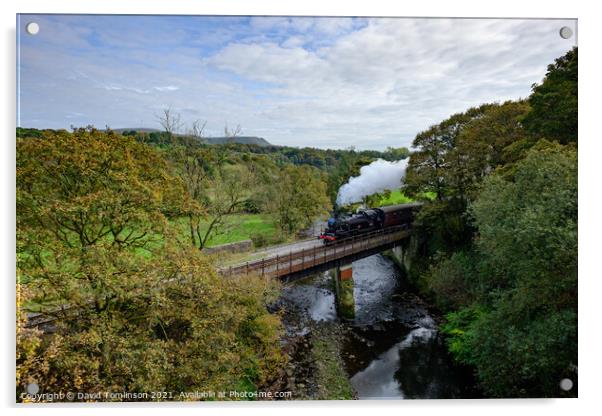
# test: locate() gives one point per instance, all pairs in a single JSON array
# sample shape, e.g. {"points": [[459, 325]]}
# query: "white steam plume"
{"points": [[375, 177]]}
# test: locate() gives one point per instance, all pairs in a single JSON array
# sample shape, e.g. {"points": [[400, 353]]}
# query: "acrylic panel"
{"points": [[295, 208]]}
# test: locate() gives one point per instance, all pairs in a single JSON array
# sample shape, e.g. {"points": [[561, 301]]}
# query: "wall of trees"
{"points": [[499, 244]]}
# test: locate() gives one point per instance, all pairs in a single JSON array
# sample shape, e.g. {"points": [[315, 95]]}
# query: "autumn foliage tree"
{"points": [[128, 309]]}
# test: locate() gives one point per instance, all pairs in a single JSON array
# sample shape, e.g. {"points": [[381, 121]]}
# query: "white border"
{"points": [[590, 24]]}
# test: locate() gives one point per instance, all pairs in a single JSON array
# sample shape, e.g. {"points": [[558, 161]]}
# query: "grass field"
{"points": [[397, 197], [237, 227]]}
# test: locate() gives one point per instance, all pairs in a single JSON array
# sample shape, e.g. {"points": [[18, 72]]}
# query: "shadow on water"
{"points": [[392, 348]]}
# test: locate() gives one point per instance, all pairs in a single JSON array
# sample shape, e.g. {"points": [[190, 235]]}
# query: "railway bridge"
{"points": [[338, 256]]}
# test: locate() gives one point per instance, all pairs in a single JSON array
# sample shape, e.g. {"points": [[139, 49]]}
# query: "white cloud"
{"points": [[326, 82], [396, 76], [167, 88]]}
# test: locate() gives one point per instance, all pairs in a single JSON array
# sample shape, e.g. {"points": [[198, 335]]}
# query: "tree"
{"points": [[297, 199], [130, 309], [553, 114], [396, 153], [173, 325], [170, 121], [231, 133], [441, 166], [452, 160], [524, 276], [195, 168], [528, 226], [430, 165], [229, 189], [481, 146], [91, 188], [197, 130], [217, 190], [498, 249]]}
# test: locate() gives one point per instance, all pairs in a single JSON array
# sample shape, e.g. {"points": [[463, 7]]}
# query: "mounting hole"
{"points": [[566, 32], [566, 384], [32, 28], [33, 388]]}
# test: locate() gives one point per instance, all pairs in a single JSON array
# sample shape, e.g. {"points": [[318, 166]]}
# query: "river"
{"points": [[391, 350]]}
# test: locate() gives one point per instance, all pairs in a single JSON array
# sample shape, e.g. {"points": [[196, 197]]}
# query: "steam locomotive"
{"points": [[366, 220]]}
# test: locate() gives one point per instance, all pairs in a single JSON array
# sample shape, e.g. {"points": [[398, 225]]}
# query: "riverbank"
{"points": [[316, 370]]}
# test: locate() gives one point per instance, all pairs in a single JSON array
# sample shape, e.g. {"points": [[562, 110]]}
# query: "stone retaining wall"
{"points": [[237, 247]]}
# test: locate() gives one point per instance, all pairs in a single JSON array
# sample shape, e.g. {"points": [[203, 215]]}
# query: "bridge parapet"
{"points": [[298, 261]]}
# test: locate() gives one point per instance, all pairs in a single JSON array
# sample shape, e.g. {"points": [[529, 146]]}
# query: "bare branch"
{"points": [[197, 129], [232, 133], [170, 121]]}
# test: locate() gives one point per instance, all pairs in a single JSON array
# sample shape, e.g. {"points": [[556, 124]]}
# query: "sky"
{"points": [[296, 81]]}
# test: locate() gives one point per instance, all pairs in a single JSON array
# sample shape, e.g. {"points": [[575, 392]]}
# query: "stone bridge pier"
{"points": [[401, 253], [343, 281]]}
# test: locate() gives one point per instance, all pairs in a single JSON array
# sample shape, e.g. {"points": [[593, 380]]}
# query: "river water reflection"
{"points": [[392, 348]]}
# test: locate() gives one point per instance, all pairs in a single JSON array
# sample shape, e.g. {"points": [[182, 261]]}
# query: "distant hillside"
{"points": [[259, 141], [137, 129]]}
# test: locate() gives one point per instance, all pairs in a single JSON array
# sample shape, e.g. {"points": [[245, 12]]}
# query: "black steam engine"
{"points": [[366, 220]]}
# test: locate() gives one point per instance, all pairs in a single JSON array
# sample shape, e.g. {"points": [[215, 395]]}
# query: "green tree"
{"points": [[193, 166], [297, 198], [524, 278], [553, 114], [480, 147], [172, 325], [396, 153], [215, 188], [528, 226], [430, 165], [229, 189], [456, 280], [452, 160], [498, 249]]}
